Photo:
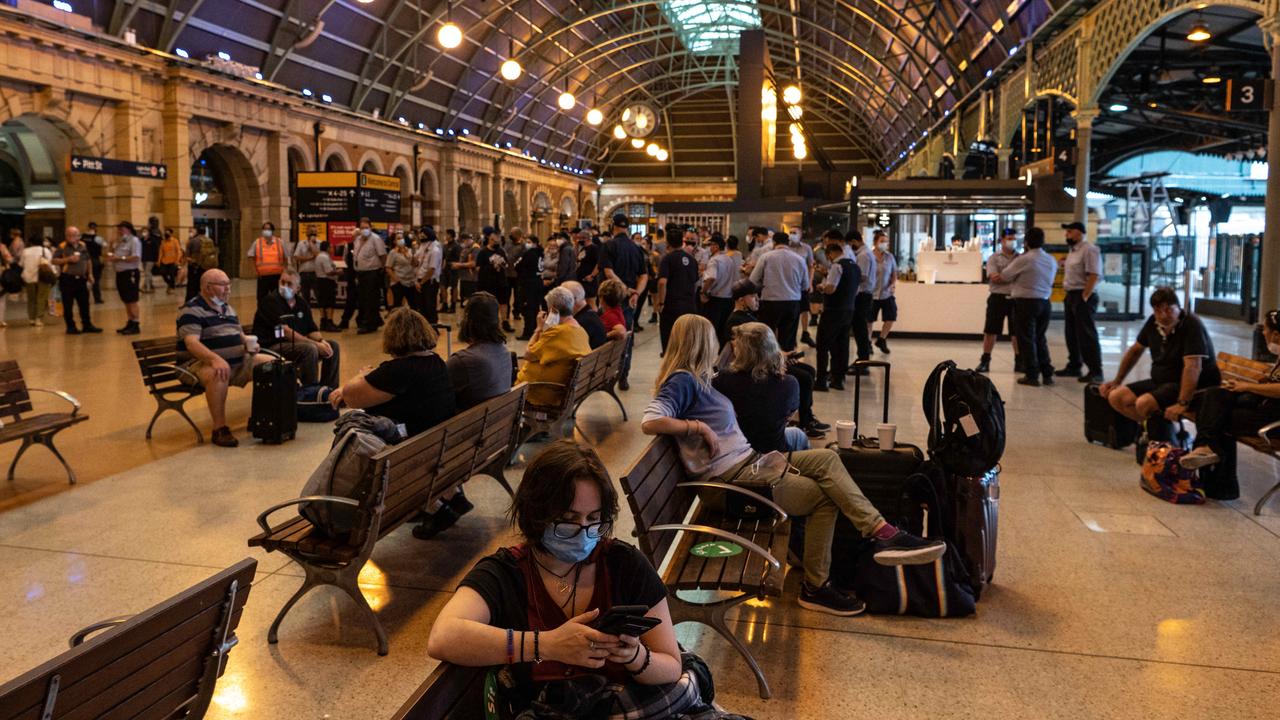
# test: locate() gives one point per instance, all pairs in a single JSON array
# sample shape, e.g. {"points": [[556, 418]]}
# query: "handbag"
{"points": [[11, 280], [46, 272]]}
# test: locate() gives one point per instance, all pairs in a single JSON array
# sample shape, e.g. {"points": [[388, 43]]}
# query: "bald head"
{"points": [[214, 284], [73, 234]]}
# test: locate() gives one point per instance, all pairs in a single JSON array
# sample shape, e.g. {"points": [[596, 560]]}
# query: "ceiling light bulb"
{"points": [[800, 151], [662, 156], [567, 100], [795, 112], [626, 115], [1118, 107], [619, 133], [652, 150], [769, 114], [794, 128], [594, 116], [1212, 79], [637, 143], [511, 70], [797, 139], [449, 36], [642, 121], [791, 95], [1199, 33]]}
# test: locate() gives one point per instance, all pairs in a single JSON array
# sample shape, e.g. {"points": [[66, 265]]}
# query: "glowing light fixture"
{"points": [[619, 133], [626, 114], [662, 155], [594, 116], [1211, 79], [1118, 108], [567, 100], [637, 143], [795, 111], [652, 150], [449, 35], [642, 121], [800, 152], [511, 70], [1199, 33], [791, 94]]}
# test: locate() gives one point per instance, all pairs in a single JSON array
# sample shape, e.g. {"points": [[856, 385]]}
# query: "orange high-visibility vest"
{"points": [[269, 260]]}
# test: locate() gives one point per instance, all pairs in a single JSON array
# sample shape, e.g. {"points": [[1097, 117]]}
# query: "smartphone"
{"points": [[626, 620]]}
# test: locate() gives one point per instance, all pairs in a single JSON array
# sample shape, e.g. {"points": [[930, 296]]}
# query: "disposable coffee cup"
{"points": [[888, 433], [251, 343], [846, 431]]}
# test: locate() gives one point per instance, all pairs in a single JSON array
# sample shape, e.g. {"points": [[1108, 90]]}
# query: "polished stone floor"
{"points": [[1107, 603]]}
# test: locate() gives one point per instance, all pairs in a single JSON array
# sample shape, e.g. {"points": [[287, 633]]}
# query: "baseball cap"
{"points": [[1073, 226], [743, 288], [620, 220], [1007, 232]]}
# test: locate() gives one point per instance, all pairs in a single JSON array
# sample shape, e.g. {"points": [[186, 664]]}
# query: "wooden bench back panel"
{"points": [[451, 692], [150, 666], [494, 443], [156, 352], [1234, 367], [591, 373], [650, 487], [14, 399]]}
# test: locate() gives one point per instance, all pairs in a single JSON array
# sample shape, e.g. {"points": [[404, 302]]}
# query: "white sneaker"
{"points": [[1198, 458], [38, 322]]}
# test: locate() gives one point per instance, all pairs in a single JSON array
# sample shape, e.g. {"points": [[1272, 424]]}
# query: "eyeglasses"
{"points": [[569, 530]]}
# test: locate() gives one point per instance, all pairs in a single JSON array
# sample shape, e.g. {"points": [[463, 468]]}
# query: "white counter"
{"points": [[941, 309]]}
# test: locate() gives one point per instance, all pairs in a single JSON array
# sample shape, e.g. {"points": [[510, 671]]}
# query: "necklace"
{"points": [[562, 582]]}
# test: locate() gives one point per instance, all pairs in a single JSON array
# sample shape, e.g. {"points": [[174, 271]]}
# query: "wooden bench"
{"points": [[15, 401], [417, 474], [595, 372], [168, 382], [160, 663], [452, 692], [1267, 440], [671, 519]]}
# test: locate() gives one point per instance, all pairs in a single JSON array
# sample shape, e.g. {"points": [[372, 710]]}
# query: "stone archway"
{"points": [[238, 221], [401, 172], [371, 163], [511, 210], [589, 212], [568, 211], [427, 188], [41, 146], [541, 213], [468, 209], [335, 159]]}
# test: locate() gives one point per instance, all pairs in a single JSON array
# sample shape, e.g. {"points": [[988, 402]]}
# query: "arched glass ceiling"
{"points": [[876, 73]]}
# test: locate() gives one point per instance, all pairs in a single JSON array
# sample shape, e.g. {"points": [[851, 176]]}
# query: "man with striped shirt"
{"points": [[211, 346]]}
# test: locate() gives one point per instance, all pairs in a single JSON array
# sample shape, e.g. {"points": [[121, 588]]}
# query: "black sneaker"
{"points": [[817, 424], [1029, 380], [813, 431], [131, 329], [884, 346], [460, 504], [829, 600], [984, 365], [1048, 379], [639, 328], [807, 339], [834, 385], [92, 329], [1098, 379], [819, 385], [73, 331], [432, 524], [1068, 372], [907, 549]]}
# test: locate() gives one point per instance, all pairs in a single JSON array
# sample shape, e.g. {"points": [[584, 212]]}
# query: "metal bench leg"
{"points": [[614, 394], [47, 441], [1257, 509], [178, 407], [310, 582], [494, 470], [26, 443], [712, 615], [348, 581]]}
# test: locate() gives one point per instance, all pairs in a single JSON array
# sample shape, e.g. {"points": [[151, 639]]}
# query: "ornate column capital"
{"points": [[1085, 116]]}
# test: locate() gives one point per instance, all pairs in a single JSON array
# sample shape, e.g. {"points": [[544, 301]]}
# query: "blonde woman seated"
{"points": [[554, 349], [812, 483]]}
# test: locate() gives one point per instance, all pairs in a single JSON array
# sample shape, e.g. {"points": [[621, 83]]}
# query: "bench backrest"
{"points": [[590, 374], [426, 467], [1234, 367], [651, 489], [155, 359], [14, 399], [452, 692], [161, 663]]}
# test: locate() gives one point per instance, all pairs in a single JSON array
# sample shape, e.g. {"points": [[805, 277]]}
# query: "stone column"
{"points": [[1084, 147], [1269, 292], [127, 196], [277, 190], [448, 192], [177, 140], [1003, 156]]}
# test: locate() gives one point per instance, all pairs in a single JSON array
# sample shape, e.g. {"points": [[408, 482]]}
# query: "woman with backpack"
{"points": [[39, 275]]}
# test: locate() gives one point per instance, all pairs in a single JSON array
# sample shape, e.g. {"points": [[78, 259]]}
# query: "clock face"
{"points": [[639, 120]]}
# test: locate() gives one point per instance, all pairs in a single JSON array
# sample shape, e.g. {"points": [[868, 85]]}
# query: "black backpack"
{"points": [[966, 420]]}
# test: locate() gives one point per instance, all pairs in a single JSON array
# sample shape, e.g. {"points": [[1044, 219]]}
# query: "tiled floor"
{"points": [[1107, 603]]}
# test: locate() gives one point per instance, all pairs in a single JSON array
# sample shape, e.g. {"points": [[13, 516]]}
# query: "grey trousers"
{"points": [[817, 487]]}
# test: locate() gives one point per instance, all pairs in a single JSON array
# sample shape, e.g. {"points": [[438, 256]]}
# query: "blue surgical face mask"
{"points": [[287, 293], [574, 550], [268, 232]]}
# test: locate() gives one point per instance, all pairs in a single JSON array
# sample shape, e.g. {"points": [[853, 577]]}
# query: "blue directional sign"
{"points": [[129, 168]]}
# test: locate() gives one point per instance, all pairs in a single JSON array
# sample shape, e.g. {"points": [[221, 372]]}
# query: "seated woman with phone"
{"points": [[579, 619]]}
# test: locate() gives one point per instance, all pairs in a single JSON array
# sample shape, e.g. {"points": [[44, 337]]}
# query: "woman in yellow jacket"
{"points": [[171, 257], [553, 350]]}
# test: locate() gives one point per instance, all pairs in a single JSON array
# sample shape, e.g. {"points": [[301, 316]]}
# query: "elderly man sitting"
{"points": [[284, 325], [211, 346]]}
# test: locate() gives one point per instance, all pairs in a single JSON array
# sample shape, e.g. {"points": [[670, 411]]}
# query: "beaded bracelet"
{"points": [[511, 647], [648, 657], [537, 654]]}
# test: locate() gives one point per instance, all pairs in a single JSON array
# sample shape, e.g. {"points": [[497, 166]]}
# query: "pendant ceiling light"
{"points": [[449, 35], [662, 156], [1199, 33], [652, 150], [594, 116], [791, 94], [567, 100], [619, 133], [800, 152], [637, 143]]}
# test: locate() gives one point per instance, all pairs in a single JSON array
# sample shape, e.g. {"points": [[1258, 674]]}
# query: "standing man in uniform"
{"points": [[839, 297], [885, 305], [126, 255], [805, 251], [270, 257], [621, 259], [368, 256], [864, 303], [74, 280], [677, 286], [783, 277], [305, 254], [1081, 272], [1031, 275], [588, 269], [999, 302], [722, 271], [93, 243], [430, 267]]}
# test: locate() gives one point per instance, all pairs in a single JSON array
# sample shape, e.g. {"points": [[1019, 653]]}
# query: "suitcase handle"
{"points": [[857, 387]]}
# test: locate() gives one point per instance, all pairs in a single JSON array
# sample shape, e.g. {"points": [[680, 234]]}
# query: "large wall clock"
{"points": [[639, 120]]}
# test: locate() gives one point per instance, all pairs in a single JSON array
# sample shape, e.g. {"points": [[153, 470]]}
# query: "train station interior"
{"points": [[340, 340]]}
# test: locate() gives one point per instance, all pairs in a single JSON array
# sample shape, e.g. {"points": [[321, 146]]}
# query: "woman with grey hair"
{"points": [[764, 396], [554, 349]]}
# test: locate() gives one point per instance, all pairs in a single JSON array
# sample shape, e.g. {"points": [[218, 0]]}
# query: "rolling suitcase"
{"points": [[882, 474], [274, 417], [1103, 425], [974, 520]]}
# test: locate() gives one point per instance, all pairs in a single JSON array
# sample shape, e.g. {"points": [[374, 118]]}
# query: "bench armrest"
{"points": [[782, 514], [195, 379], [269, 351], [262, 517], [84, 632], [725, 534], [1265, 431], [75, 404]]}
